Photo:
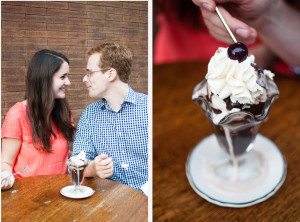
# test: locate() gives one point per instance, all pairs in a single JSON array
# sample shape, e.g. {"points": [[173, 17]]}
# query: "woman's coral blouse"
{"points": [[17, 125]]}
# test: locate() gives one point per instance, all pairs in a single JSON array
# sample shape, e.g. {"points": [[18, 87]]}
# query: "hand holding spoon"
{"points": [[22, 171], [122, 165]]}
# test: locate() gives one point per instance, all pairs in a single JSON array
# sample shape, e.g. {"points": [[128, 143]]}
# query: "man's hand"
{"points": [[103, 166]]}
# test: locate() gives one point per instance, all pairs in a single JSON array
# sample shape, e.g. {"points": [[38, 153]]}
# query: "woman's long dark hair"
{"points": [[41, 103]]}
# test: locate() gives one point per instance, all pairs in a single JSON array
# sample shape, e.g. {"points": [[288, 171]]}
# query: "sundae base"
{"points": [[77, 165]]}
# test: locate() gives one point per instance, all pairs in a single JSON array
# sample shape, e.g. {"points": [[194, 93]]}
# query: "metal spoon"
{"points": [[225, 25], [22, 171], [122, 165]]}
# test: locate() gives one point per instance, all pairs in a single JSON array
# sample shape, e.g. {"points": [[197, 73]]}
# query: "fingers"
{"points": [[209, 5], [103, 166], [242, 31], [4, 184], [103, 156], [8, 182]]}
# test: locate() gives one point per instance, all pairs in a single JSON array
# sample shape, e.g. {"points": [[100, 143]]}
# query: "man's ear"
{"points": [[112, 74]]}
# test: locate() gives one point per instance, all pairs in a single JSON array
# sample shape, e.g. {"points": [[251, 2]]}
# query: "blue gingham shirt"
{"points": [[122, 135]]}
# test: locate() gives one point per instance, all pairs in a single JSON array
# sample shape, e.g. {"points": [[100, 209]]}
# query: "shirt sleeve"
{"points": [[11, 127], [82, 141]]}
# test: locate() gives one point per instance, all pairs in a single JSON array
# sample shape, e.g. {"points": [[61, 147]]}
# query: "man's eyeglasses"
{"points": [[88, 74]]}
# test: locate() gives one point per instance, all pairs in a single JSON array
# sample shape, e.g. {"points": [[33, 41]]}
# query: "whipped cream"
{"points": [[229, 78], [269, 74], [79, 160], [219, 104]]}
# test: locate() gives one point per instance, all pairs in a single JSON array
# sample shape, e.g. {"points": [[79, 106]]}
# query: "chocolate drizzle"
{"points": [[260, 75], [255, 109]]}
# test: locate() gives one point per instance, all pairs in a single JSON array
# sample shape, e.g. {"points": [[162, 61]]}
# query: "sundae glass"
{"points": [[77, 165], [236, 96]]}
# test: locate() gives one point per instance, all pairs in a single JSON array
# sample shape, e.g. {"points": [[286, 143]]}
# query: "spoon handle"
{"points": [[125, 166], [17, 172], [225, 25], [11, 175]]}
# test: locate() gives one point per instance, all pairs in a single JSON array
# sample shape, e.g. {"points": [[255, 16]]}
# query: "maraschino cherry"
{"points": [[238, 51]]}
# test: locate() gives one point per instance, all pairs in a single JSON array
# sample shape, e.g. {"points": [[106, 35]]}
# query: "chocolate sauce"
{"points": [[216, 111], [255, 109], [241, 137], [260, 74], [77, 178]]}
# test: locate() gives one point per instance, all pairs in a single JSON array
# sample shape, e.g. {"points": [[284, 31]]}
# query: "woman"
{"points": [[36, 131]]}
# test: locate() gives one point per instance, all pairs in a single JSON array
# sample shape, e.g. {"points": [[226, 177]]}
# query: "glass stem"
{"points": [[233, 157], [77, 186]]}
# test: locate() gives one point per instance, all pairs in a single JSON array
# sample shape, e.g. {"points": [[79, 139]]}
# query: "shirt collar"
{"points": [[130, 98]]}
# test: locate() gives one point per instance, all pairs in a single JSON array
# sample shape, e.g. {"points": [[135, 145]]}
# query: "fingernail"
{"points": [[252, 34], [207, 6], [242, 32]]}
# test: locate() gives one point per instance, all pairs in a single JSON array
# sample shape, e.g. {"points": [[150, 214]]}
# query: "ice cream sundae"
{"points": [[77, 165], [236, 95]]}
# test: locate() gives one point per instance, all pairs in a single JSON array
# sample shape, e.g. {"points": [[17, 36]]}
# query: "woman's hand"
{"points": [[9, 152], [8, 182], [242, 17], [276, 22]]}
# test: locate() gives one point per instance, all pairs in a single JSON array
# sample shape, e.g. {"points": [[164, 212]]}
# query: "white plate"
{"points": [[70, 192], [255, 185]]}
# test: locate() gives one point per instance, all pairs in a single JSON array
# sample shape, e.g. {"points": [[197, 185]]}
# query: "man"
{"points": [[114, 130]]}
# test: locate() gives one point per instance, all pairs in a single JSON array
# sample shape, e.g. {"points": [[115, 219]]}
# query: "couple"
{"points": [[36, 131]]}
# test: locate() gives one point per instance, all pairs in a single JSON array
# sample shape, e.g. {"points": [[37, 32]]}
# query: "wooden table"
{"points": [[38, 199], [179, 124]]}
